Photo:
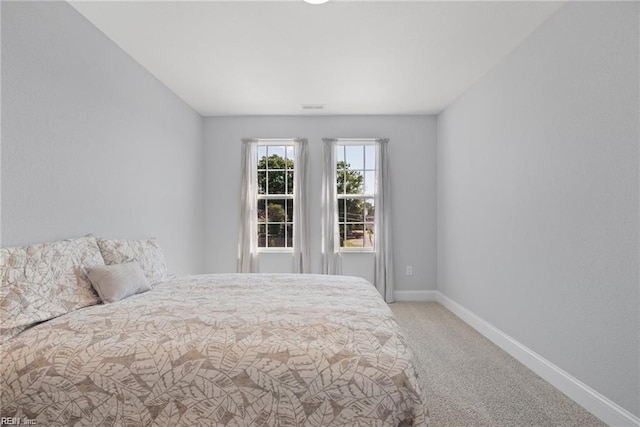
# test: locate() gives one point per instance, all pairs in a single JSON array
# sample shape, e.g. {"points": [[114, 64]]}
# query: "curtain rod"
{"points": [[342, 140]]}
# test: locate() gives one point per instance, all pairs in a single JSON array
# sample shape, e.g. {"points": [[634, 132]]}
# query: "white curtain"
{"points": [[383, 278], [301, 207], [331, 257], [248, 239]]}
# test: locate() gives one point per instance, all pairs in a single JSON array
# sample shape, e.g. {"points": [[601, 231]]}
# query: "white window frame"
{"points": [[284, 142], [341, 142]]}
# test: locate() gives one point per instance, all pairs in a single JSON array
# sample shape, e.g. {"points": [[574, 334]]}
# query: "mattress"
{"points": [[230, 349]]}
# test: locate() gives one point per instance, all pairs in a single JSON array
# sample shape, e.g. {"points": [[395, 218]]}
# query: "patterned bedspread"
{"points": [[234, 350]]}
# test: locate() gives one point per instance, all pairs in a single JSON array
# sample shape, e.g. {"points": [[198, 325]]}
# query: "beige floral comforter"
{"points": [[234, 350]]}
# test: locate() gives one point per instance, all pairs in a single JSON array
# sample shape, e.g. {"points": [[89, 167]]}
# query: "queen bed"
{"points": [[225, 349]]}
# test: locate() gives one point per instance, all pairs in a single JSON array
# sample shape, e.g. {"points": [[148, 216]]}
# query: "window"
{"points": [[275, 194], [356, 175]]}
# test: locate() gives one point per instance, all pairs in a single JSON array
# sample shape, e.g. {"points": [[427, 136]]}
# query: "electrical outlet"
{"points": [[409, 270]]}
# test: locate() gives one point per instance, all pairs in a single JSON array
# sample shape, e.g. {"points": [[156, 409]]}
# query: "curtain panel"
{"points": [[331, 257], [301, 207], [383, 276], [247, 261]]}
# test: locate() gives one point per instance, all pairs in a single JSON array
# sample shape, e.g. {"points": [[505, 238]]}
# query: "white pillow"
{"points": [[118, 281]]}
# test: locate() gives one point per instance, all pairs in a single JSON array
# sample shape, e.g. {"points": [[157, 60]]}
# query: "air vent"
{"points": [[313, 106]]}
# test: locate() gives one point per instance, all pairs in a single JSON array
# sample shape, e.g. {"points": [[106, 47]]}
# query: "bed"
{"points": [[230, 349]]}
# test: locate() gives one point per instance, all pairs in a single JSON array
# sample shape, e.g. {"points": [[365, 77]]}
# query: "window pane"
{"points": [[369, 182], [353, 236], [355, 156], [275, 162], [262, 236], [276, 150], [289, 210], [262, 156], [290, 235], [290, 152], [368, 237], [357, 231], [276, 211], [262, 210], [278, 162], [341, 217], [289, 182], [340, 181], [262, 183], [353, 182], [340, 154], [343, 235], [276, 230], [276, 237], [354, 210], [276, 182], [370, 157], [369, 210]]}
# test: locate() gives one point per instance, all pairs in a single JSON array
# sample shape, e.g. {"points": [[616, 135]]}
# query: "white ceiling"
{"points": [[355, 57]]}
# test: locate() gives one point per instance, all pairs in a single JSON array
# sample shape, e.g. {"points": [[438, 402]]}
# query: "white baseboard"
{"points": [[600, 406], [406, 296]]}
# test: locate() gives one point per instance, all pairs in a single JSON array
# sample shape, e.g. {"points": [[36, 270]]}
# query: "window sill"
{"points": [[357, 251], [275, 251]]}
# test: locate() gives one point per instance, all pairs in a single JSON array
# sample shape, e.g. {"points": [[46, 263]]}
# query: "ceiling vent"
{"points": [[313, 106]]}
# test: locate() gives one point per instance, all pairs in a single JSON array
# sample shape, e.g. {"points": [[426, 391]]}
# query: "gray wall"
{"points": [[413, 167], [538, 196], [91, 142]]}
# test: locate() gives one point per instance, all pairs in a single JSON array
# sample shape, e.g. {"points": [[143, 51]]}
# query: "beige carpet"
{"points": [[469, 381]]}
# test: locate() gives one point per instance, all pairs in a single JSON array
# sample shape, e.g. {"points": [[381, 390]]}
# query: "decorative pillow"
{"points": [[118, 281], [146, 253], [44, 281]]}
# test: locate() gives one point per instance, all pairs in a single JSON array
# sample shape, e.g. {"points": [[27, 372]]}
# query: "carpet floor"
{"points": [[469, 381]]}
